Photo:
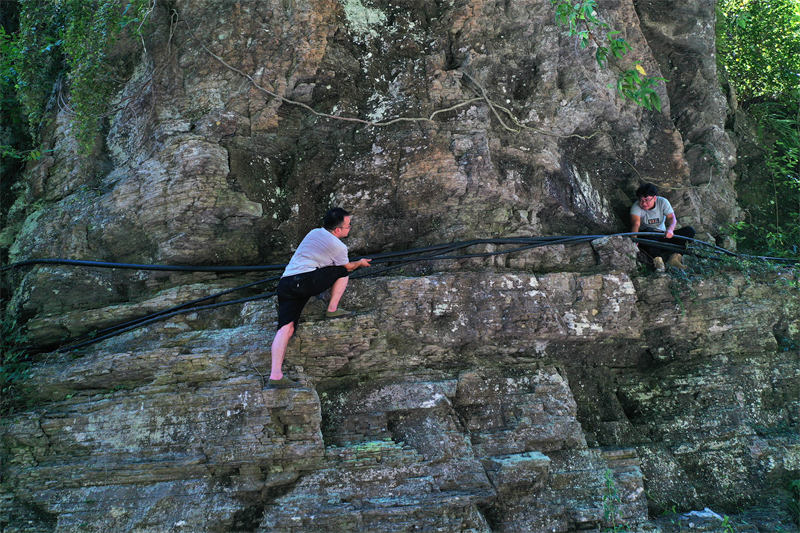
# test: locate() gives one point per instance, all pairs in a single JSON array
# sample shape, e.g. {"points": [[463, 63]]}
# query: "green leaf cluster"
{"points": [[14, 363], [575, 16], [617, 47], [582, 21], [640, 88], [758, 42], [67, 40]]}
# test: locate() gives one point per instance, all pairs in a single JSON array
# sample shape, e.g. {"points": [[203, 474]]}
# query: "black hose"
{"points": [[169, 310], [400, 258], [130, 266], [160, 317]]}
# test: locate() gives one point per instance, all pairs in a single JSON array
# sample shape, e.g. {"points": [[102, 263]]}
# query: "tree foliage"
{"points": [[759, 45], [758, 42], [772, 203]]}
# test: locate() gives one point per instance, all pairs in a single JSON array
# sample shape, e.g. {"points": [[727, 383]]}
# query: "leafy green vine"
{"points": [[71, 38], [759, 50], [14, 363], [581, 20]]}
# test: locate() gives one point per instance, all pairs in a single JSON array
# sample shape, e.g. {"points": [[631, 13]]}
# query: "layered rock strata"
{"points": [[557, 389], [460, 401]]}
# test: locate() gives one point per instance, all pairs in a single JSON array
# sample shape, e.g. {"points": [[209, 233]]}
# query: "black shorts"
{"points": [[654, 251], [294, 291]]}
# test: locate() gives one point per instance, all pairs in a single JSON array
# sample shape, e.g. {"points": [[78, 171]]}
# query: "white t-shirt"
{"points": [[319, 248], [655, 218]]}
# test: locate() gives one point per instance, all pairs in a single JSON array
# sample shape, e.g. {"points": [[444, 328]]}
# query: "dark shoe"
{"points": [[339, 313], [283, 383]]}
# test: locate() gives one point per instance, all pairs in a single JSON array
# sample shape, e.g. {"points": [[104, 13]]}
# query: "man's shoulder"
{"points": [[323, 237], [317, 234], [664, 204]]}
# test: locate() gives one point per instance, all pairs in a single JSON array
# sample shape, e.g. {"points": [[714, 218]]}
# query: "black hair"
{"points": [[646, 189], [334, 218]]}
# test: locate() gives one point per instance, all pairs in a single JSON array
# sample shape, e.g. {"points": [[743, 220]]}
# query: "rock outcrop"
{"points": [[556, 389], [225, 152], [458, 401]]}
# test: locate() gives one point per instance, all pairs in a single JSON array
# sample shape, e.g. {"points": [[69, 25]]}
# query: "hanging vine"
{"points": [[70, 38], [582, 21]]}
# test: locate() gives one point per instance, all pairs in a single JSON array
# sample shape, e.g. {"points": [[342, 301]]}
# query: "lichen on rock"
{"points": [[362, 19]]}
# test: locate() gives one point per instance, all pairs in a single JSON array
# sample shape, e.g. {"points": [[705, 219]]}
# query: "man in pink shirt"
{"points": [[319, 263]]}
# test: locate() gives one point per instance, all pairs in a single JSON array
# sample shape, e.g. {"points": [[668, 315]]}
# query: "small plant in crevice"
{"points": [[14, 363], [794, 503], [611, 505], [727, 525], [675, 291]]}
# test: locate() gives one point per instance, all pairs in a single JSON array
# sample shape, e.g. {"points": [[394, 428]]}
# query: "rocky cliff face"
{"points": [[528, 402], [552, 390]]}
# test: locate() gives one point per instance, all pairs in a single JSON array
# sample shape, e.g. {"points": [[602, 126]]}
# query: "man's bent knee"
{"points": [[287, 329], [340, 284]]}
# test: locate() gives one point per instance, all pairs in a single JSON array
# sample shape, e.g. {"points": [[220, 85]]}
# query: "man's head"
{"points": [[337, 221], [646, 195]]}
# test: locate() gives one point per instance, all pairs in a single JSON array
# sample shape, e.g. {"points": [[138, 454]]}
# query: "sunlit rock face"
{"points": [[556, 389], [464, 400], [222, 149]]}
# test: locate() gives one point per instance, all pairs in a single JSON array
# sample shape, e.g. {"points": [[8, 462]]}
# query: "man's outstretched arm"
{"points": [[672, 221], [352, 265]]}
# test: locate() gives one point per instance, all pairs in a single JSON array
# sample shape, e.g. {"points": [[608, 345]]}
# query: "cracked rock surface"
{"points": [[556, 389], [427, 409]]}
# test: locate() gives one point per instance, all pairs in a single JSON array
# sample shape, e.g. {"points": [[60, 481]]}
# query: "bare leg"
{"points": [[279, 345], [337, 290]]}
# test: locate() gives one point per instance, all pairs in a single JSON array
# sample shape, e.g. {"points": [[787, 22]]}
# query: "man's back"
{"points": [[318, 249]]}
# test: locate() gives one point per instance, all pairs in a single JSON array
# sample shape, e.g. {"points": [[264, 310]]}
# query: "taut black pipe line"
{"points": [[175, 308], [134, 266], [382, 257], [399, 257], [256, 268]]}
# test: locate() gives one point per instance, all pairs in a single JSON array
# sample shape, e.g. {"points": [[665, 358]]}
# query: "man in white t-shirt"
{"points": [[653, 213], [319, 263]]}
